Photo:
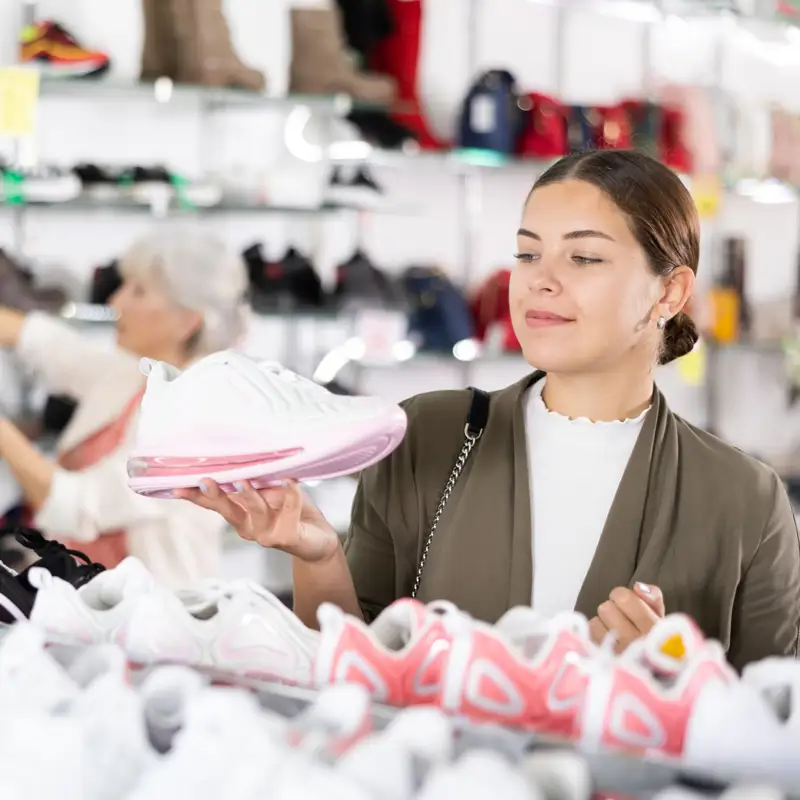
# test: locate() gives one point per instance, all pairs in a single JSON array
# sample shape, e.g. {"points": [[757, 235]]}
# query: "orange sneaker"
{"points": [[56, 53]]}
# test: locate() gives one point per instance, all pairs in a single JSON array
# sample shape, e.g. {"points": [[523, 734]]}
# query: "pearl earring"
{"points": [[662, 323]]}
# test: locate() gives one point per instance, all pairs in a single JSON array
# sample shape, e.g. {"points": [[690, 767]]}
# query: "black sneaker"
{"points": [[290, 284], [105, 281], [362, 191], [17, 595]]}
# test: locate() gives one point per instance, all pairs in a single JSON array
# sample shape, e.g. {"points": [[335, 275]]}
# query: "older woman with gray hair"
{"points": [[182, 298]]}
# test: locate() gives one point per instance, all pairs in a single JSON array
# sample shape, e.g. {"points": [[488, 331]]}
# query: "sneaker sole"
{"points": [[352, 453]]}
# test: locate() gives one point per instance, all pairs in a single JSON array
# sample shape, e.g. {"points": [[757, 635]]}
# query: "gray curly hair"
{"points": [[197, 271]]}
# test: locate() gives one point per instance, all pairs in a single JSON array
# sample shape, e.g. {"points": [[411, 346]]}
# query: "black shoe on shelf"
{"points": [[287, 285], [379, 129], [361, 191], [360, 283], [105, 281], [17, 594]]}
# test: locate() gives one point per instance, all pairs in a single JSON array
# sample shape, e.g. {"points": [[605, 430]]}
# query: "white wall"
{"points": [[603, 58]]}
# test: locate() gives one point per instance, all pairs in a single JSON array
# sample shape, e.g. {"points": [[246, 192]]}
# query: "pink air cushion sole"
{"points": [[355, 449]]}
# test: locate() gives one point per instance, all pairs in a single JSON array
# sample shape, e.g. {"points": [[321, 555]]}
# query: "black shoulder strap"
{"points": [[478, 414]]}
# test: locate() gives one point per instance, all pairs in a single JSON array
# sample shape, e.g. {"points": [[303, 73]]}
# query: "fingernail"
{"points": [[240, 486], [204, 488], [644, 588]]}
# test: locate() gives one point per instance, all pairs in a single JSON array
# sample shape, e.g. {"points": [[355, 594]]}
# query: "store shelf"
{"points": [[87, 203], [165, 92]]}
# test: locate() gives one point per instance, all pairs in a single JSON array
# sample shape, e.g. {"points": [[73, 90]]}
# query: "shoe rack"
{"points": [[471, 195]]}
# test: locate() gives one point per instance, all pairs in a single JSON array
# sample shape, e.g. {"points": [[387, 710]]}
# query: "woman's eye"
{"points": [[526, 258], [586, 260]]}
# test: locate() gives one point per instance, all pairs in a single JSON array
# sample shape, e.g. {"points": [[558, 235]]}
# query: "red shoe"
{"points": [[643, 700], [56, 53], [399, 658], [523, 672]]}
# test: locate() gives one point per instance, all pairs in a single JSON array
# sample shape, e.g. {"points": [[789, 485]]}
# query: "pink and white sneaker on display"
{"points": [[94, 613], [646, 699], [399, 657], [232, 418], [238, 627], [523, 672]]}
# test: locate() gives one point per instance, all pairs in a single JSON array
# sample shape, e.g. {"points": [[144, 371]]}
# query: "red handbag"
{"points": [[544, 134], [490, 308], [614, 128]]}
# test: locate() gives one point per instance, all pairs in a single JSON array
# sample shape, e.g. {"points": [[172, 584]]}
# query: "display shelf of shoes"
{"points": [[85, 203], [164, 92]]}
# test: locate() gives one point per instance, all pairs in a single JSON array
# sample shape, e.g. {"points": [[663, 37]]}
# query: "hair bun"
{"points": [[680, 337]]}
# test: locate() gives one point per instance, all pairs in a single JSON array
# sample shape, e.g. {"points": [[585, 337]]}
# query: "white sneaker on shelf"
{"points": [[476, 776], [107, 716], [339, 717], [97, 611], [30, 678], [239, 627], [166, 694], [233, 418], [393, 763], [778, 681], [227, 748]]}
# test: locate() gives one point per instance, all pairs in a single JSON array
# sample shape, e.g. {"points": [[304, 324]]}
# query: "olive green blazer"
{"points": [[712, 527]]}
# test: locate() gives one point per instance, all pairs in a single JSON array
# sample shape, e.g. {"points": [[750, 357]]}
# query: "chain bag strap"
{"points": [[476, 422]]}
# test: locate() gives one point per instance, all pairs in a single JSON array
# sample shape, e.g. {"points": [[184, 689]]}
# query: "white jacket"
{"points": [[179, 542]]}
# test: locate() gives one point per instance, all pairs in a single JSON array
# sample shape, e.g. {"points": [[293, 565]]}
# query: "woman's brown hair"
{"points": [[661, 214]]}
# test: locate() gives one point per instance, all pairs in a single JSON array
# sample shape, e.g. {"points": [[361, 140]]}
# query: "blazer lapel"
{"points": [[637, 514], [521, 576]]}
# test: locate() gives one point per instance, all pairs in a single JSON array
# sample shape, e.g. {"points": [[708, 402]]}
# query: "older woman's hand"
{"points": [[628, 613]]}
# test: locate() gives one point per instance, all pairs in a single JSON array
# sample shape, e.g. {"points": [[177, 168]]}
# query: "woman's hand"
{"points": [[628, 613], [280, 517]]}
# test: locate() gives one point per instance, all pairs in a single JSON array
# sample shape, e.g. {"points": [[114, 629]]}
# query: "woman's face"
{"points": [[582, 295], [149, 324]]}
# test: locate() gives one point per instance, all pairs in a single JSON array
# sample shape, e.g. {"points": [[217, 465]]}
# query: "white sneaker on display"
{"points": [[107, 717], [233, 418], [97, 611], [238, 627], [392, 764], [227, 748], [30, 678], [476, 776], [166, 694]]}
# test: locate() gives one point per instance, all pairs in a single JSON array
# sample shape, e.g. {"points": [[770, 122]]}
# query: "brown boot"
{"points": [[321, 65], [205, 52], [159, 51]]}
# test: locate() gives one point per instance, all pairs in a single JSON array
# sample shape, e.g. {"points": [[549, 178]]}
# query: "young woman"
{"points": [[182, 298], [580, 488]]}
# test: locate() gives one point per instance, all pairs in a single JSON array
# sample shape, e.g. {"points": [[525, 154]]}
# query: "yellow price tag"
{"points": [[19, 94], [707, 193], [692, 366]]}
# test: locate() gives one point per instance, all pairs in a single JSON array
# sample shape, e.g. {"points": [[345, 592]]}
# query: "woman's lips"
{"points": [[545, 319]]}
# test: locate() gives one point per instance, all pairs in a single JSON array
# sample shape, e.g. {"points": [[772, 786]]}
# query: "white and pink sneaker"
{"points": [[237, 627], [524, 671], [648, 699], [232, 418], [399, 659]]}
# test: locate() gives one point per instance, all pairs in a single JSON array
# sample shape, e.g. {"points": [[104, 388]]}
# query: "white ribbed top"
{"points": [[575, 468]]}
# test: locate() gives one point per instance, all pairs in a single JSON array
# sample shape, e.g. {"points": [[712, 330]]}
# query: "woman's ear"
{"points": [[678, 288], [191, 323]]}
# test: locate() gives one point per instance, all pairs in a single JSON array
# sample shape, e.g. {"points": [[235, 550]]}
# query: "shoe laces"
{"points": [[57, 558]]}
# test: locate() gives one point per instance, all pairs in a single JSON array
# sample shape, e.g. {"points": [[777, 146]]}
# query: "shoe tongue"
{"points": [[672, 643], [110, 588]]}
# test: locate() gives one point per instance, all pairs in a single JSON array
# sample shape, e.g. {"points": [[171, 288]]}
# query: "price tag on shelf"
{"points": [[707, 193], [380, 332], [692, 366], [19, 95]]}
